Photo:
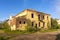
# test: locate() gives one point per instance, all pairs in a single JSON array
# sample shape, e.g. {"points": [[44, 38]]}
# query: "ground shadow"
{"points": [[58, 37]]}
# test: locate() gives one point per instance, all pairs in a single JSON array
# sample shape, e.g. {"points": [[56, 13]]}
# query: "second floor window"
{"points": [[32, 15], [43, 16], [39, 17], [47, 17]]}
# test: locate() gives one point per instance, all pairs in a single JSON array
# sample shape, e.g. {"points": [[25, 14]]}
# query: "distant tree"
{"points": [[54, 24], [4, 25], [0, 25]]}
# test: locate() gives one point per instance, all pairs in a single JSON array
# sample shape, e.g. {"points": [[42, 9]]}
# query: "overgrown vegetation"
{"points": [[5, 37], [4, 25], [49, 30], [6, 28], [54, 24], [30, 28]]}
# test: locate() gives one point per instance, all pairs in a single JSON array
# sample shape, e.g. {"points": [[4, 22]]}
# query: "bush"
{"points": [[2, 38], [30, 29]]}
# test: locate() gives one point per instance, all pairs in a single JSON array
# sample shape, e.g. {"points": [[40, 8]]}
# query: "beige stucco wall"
{"points": [[13, 27], [22, 14], [12, 22], [35, 19]]}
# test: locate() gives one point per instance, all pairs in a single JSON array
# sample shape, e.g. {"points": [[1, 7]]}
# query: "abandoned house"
{"points": [[30, 18]]}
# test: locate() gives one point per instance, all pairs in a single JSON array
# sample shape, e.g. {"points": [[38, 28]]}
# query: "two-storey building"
{"points": [[30, 18]]}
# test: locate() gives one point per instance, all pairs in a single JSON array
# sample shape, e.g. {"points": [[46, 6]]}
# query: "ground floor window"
{"points": [[36, 26], [43, 24], [39, 24], [32, 23], [20, 22], [24, 22]]}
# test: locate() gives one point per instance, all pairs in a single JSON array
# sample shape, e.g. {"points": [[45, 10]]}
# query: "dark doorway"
{"points": [[32, 24], [36, 26]]}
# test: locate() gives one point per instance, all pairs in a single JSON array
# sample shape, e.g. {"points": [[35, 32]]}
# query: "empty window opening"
{"points": [[39, 24], [43, 24], [47, 17], [32, 23], [20, 22], [32, 15], [24, 22], [43, 16], [39, 17], [36, 26]]}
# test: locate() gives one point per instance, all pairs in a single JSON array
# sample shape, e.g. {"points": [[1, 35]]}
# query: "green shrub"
{"points": [[2, 38], [30, 29]]}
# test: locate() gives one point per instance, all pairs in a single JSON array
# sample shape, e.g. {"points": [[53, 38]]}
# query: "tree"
{"points": [[4, 25], [54, 24], [1, 25]]}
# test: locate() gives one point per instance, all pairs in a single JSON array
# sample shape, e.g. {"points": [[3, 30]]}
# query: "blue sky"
{"points": [[13, 7]]}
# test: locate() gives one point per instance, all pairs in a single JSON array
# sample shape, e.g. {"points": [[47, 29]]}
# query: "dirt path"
{"points": [[39, 36], [35, 36]]}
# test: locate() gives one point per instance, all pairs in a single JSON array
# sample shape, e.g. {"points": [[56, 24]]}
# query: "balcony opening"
{"points": [[43, 16]]}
